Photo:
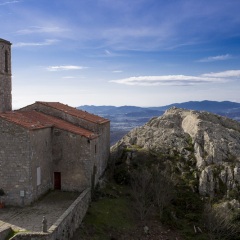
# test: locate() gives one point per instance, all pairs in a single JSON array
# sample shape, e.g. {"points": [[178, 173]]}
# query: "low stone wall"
{"points": [[66, 225], [4, 232]]}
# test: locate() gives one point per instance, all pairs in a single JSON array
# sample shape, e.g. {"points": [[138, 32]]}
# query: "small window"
{"points": [[95, 148], [38, 176], [6, 61]]}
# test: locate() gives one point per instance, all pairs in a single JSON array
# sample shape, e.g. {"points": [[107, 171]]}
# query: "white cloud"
{"points": [[168, 80], [216, 58], [47, 42], [37, 29], [117, 71], [69, 77], [73, 77], [180, 80], [64, 68], [224, 74], [8, 2]]}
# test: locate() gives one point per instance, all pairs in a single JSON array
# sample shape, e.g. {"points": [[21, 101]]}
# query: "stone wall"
{"points": [[14, 163], [41, 177], [66, 225], [72, 157], [5, 76], [5, 92], [4, 232], [22, 152], [105, 145], [103, 149]]}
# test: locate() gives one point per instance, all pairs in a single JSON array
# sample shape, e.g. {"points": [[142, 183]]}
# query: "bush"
{"points": [[121, 174], [219, 224], [151, 189], [141, 184]]}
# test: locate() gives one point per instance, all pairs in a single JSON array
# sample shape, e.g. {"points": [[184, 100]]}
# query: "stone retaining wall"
{"points": [[4, 232], [66, 225]]}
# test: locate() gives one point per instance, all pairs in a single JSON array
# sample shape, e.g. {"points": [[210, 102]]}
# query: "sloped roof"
{"points": [[5, 41], [34, 120], [75, 112]]}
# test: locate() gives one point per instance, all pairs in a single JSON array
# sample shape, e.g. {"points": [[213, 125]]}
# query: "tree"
{"points": [[219, 224], [163, 190], [150, 188], [141, 183]]}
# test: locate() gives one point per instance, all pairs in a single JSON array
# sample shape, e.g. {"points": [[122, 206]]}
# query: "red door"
{"points": [[57, 180]]}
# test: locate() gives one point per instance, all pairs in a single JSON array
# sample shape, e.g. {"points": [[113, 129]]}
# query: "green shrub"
{"points": [[121, 174]]}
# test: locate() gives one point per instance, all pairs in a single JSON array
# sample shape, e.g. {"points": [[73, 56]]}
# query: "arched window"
{"points": [[6, 61]]}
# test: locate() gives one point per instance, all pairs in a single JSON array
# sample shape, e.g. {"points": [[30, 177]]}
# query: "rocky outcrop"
{"points": [[208, 142]]}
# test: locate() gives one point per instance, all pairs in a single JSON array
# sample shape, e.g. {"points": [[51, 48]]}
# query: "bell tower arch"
{"points": [[5, 76]]}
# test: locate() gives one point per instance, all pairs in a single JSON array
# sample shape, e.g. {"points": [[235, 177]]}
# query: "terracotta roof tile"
{"points": [[76, 112], [34, 120]]}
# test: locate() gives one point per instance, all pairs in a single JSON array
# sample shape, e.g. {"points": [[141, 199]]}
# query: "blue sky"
{"points": [[122, 52]]}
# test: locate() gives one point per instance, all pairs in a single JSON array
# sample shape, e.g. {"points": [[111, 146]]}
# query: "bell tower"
{"points": [[5, 76]]}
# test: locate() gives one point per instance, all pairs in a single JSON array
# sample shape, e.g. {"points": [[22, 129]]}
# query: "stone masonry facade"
{"points": [[5, 76], [47, 145]]}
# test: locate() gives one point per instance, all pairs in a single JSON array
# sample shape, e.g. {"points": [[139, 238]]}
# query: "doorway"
{"points": [[57, 180]]}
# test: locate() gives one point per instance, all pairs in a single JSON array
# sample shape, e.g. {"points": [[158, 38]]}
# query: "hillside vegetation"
{"points": [[176, 177], [190, 162]]}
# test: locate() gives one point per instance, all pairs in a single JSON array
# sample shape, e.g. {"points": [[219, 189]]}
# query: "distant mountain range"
{"points": [[125, 118], [209, 106]]}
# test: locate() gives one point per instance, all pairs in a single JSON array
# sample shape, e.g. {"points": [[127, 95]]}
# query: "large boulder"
{"points": [[211, 142]]}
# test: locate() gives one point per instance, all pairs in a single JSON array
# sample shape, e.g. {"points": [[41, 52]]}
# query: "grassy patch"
{"points": [[109, 215], [13, 233]]}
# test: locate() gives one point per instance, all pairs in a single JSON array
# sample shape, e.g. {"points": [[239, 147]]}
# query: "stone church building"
{"points": [[47, 145]]}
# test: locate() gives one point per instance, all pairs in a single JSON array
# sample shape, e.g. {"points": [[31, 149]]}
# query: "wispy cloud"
{"points": [[73, 77], [180, 80], [216, 58], [47, 42], [166, 28], [133, 38], [224, 74], [64, 68], [184, 44], [117, 71], [108, 53], [8, 2], [69, 77], [38, 29]]}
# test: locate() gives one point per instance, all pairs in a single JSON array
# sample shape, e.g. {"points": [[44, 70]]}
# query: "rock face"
{"points": [[209, 142]]}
